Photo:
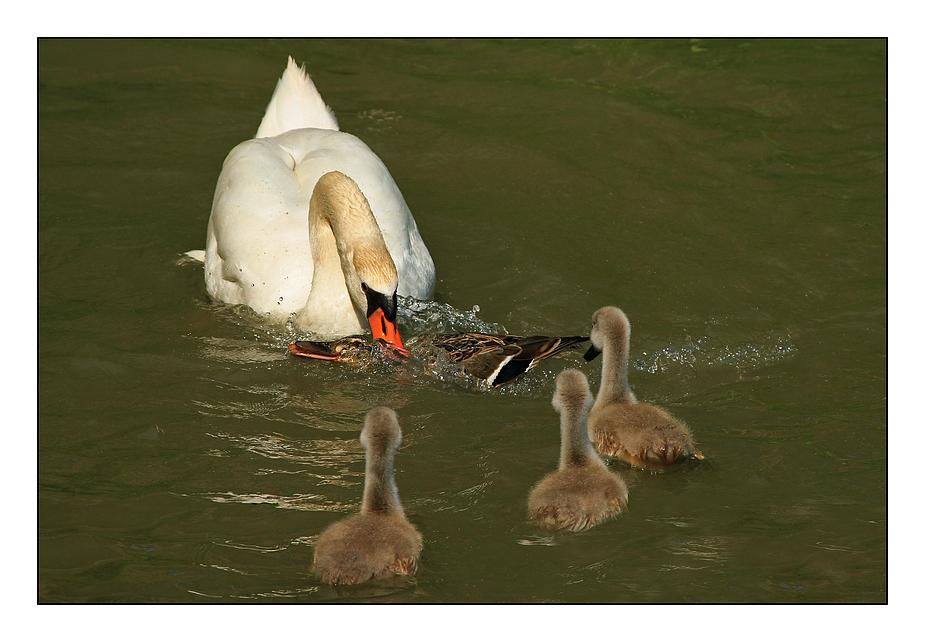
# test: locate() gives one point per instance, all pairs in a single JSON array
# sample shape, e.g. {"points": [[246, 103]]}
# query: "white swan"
{"points": [[330, 254]]}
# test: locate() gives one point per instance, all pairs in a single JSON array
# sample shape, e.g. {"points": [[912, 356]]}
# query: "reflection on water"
{"points": [[318, 451], [309, 501], [240, 351], [273, 398], [702, 549], [538, 540]]}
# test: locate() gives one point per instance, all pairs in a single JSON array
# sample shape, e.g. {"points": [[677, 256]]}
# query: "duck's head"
{"points": [[608, 323]]}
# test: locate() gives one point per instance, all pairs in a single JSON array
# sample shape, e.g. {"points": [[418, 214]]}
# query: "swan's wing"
{"points": [[257, 247]]}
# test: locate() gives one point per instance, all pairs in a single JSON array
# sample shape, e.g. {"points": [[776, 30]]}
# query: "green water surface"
{"points": [[728, 195]]}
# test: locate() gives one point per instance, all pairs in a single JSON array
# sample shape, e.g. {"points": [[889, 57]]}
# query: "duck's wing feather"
{"points": [[464, 346], [531, 351], [492, 364], [540, 347], [499, 359]]}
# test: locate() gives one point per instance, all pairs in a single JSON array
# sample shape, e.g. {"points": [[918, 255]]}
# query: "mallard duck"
{"points": [[495, 358], [380, 540], [308, 224], [583, 492], [641, 434]]}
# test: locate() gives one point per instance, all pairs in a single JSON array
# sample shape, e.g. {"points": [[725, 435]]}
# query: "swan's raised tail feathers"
{"points": [[193, 256], [295, 104]]}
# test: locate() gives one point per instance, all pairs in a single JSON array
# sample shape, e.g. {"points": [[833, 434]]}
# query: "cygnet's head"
{"points": [[381, 432], [607, 323], [572, 396]]}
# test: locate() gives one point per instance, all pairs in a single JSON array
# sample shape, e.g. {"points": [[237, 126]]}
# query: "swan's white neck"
{"points": [[345, 241]]}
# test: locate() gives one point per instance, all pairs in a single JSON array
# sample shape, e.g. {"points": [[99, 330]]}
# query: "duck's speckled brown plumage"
{"points": [[495, 358]]}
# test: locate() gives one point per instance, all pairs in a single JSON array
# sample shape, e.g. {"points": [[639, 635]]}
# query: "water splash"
{"points": [[710, 352], [430, 317], [415, 317]]}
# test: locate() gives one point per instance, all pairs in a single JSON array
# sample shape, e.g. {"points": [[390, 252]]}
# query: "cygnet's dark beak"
{"points": [[591, 353]]}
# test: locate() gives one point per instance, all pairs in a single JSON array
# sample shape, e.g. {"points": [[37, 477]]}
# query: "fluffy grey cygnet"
{"points": [[583, 492], [639, 433], [379, 541]]}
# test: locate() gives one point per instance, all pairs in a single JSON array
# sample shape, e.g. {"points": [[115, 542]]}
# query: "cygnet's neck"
{"points": [[576, 449], [614, 366], [380, 494]]}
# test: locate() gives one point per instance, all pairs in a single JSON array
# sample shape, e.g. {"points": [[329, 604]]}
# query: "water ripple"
{"points": [[320, 452], [272, 399], [700, 549]]}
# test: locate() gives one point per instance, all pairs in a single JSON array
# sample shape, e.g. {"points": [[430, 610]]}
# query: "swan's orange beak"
{"points": [[387, 331], [381, 311], [384, 329]]}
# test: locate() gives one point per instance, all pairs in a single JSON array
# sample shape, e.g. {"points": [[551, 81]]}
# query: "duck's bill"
{"points": [[591, 353], [392, 351], [314, 350]]}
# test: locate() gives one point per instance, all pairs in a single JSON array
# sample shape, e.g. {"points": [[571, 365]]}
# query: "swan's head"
{"points": [[572, 395], [608, 323], [340, 213], [374, 276]]}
